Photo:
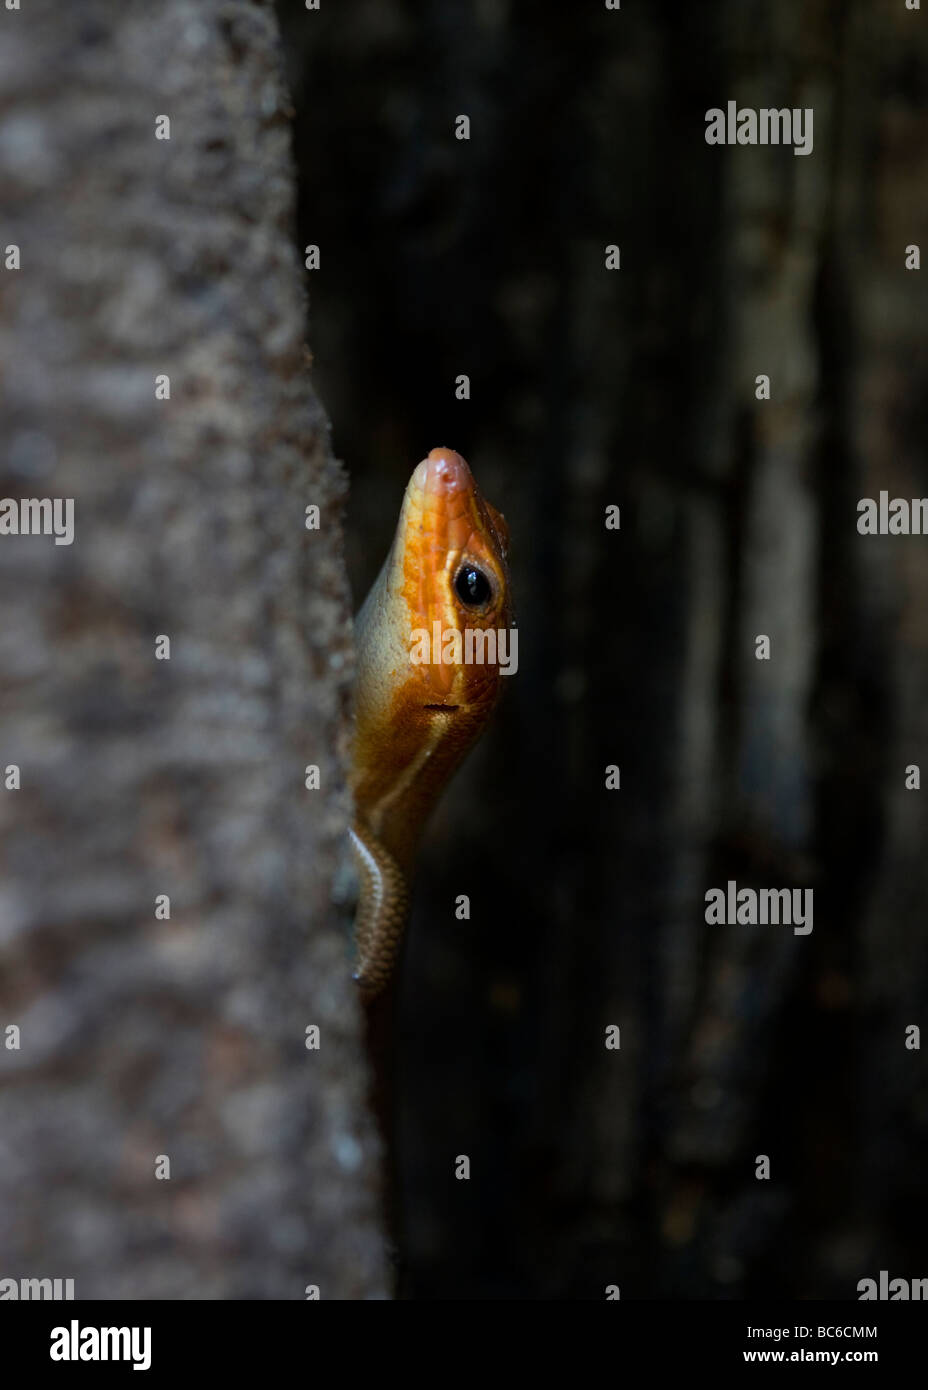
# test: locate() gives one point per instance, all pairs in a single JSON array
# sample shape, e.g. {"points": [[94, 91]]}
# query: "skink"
{"points": [[414, 723]]}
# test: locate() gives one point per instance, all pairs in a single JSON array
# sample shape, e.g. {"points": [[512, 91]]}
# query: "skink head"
{"points": [[451, 563]]}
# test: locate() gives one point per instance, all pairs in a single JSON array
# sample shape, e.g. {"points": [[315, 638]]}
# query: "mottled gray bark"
{"points": [[140, 777]]}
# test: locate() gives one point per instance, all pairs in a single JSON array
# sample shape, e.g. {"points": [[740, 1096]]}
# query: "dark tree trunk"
{"points": [[637, 647]]}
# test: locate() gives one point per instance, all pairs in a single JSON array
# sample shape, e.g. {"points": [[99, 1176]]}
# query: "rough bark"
{"points": [[181, 1037]]}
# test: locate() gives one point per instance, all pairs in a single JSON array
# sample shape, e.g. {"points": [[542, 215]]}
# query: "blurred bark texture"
{"points": [[181, 1037], [637, 388]]}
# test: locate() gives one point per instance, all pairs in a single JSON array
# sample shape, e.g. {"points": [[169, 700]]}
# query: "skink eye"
{"points": [[472, 586]]}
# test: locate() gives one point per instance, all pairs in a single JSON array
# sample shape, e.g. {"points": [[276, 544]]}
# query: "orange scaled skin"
{"points": [[413, 724]]}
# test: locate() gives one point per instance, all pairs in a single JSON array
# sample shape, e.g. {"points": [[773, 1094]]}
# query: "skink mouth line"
{"points": [[447, 708]]}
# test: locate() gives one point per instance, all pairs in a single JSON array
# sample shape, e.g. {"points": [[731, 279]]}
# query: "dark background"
{"points": [[636, 388]]}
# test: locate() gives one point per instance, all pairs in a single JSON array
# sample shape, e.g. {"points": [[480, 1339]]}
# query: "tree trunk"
{"points": [[142, 1037], [637, 387]]}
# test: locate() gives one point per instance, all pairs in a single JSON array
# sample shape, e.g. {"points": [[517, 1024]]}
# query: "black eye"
{"points": [[472, 586]]}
